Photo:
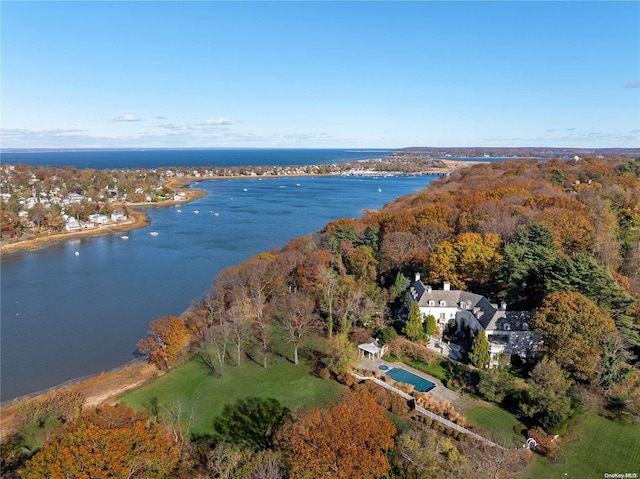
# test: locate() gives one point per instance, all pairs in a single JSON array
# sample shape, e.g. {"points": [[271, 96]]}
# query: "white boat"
{"points": [[244, 189], [216, 214], [379, 190], [196, 212], [124, 237], [154, 233], [77, 253], [298, 184]]}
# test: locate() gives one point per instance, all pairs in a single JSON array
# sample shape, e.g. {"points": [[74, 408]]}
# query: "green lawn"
{"points": [[438, 368], [498, 423], [203, 396], [602, 446]]}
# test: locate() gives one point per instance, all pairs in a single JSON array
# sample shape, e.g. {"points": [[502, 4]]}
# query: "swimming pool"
{"points": [[404, 376]]}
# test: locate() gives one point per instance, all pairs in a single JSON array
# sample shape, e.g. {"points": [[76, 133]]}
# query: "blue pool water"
{"points": [[383, 367], [404, 376]]}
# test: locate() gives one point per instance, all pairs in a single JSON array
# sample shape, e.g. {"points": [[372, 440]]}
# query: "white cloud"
{"points": [[219, 122], [162, 117], [126, 118]]}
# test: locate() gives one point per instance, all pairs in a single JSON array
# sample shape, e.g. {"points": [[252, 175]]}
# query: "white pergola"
{"points": [[371, 350]]}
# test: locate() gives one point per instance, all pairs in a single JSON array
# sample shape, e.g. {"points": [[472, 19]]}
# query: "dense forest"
{"points": [[559, 238]]}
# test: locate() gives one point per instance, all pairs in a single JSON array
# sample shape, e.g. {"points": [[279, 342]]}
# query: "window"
{"points": [[443, 303], [432, 303]]}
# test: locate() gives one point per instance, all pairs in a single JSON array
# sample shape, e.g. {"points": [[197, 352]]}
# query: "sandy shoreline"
{"points": [[139, 219]]}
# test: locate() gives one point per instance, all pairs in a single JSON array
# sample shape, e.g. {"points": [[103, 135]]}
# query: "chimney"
{"points": [[503, 306], [428, 289], [417, 277], [446, 286]]}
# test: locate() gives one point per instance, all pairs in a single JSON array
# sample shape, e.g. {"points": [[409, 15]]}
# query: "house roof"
{"points": [[488, 315], [372, 348]]}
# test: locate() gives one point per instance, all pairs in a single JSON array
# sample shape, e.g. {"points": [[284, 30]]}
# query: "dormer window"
{"points": [[443, 303], [432, 303], [463, 305]]}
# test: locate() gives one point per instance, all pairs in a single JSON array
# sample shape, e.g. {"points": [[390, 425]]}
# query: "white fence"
{"points": [[425, 412]]}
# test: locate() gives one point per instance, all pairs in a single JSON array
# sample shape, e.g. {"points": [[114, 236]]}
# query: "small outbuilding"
{"points": [[372, 350]]}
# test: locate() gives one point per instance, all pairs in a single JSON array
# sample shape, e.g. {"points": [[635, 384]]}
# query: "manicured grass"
{"points": [[497, 422], [439, 368], [203, 396], [602, 446]]}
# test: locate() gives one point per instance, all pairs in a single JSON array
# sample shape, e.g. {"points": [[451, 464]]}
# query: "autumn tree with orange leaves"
{"points": [[110, 442], [345, 440], [165, 341]]}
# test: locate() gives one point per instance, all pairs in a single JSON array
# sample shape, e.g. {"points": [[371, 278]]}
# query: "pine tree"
{"points": [[479, 354], [430, 325], [400, 285], [413, 328]]}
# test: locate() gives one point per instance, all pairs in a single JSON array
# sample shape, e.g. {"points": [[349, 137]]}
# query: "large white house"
{"points": [[507, 331]]}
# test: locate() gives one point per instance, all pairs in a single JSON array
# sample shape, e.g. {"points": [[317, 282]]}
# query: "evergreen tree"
{"points": [[401, 284], [557, 177], [479, 354], [413, 328], [528, 258], [430, 325], [547, 400]]}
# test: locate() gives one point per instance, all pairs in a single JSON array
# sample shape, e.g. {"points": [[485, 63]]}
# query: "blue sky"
{"points": [[320, 74]]}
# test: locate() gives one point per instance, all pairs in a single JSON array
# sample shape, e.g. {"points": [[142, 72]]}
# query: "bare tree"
{"points": [[238, 320], [297, 318], [328, 285], [259, 276], [207, 323]]}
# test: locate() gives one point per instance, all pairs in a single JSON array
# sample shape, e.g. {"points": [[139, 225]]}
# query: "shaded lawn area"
{"points": [[497, 422], [203, 396], [601, 446]]}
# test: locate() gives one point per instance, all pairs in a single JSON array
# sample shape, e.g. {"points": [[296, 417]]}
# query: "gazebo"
{"points": [[371, 350]]}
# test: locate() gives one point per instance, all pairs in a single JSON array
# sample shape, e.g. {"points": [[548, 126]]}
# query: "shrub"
{"points": [[346, 379], [546, 444], [520, 429], [387, 334]]}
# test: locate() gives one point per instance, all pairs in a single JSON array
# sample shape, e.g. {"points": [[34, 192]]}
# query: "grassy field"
{"points": [[203, 396], [498, 423], [600, 446]]}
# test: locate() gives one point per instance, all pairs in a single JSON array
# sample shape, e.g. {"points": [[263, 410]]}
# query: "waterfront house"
{"points": [[507, 331], [72, 225]]}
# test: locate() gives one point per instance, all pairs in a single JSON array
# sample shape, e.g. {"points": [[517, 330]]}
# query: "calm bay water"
{"points": [[66, 315], [154, 158]]}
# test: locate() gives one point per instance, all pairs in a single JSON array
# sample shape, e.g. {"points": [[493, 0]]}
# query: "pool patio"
{"points": [[440, 392]]}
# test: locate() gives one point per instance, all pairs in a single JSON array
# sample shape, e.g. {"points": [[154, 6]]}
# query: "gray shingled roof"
{"points": [[488, 315]]}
